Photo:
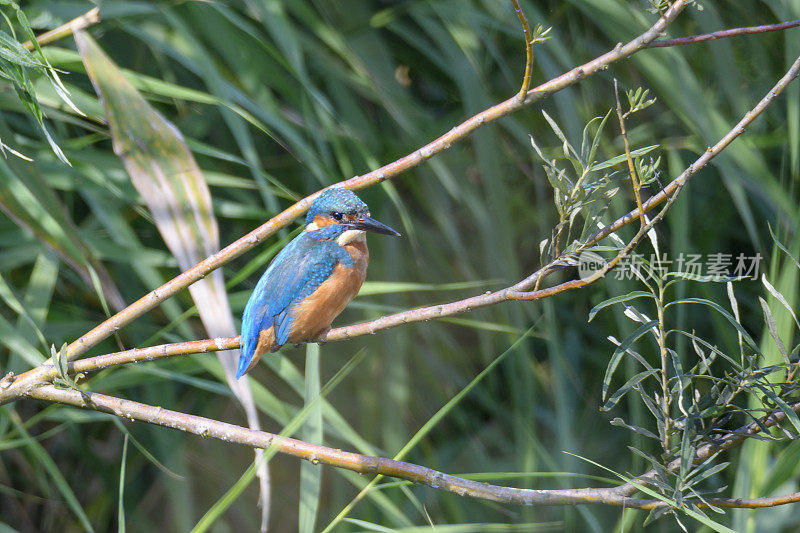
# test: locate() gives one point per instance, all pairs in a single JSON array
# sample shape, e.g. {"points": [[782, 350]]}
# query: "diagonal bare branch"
{"points": [[722, 34], [366, 464]]}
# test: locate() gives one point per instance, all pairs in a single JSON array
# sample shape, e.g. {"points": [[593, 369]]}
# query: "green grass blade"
{"points": [[427, 427], [216, 510], [47, 463], [121, 499], [311, 474]]}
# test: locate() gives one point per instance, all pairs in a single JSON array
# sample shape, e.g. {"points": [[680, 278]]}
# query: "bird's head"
{"points": [[339, 210]]}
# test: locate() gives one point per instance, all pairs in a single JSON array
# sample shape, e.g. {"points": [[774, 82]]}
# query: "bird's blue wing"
{"points": [[296, 272]]}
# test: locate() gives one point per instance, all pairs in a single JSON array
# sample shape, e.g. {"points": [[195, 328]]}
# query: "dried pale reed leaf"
{"points": [[165, 173]]}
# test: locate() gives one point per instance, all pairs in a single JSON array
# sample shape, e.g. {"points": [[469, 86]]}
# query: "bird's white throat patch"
{"points": [[345, 238], [349, 236]]}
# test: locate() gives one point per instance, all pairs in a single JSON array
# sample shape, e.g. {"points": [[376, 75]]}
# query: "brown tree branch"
{"points": [[367, 464], [662, 43], [753, 503]]}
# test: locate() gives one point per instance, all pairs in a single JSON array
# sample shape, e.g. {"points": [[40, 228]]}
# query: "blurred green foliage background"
{"points": [[279, 99]]}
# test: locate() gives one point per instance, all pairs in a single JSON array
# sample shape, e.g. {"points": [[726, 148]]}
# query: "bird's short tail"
{"points": [[252, 351], [244, 364]]}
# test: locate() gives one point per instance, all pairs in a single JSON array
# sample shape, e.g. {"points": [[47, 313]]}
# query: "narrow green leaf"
{"points": [[8, 296], [55, 474], [724, 313], [560, 134], [641, 431], [783, 248], [11, 339], [708, 472], [778, 296], [631, 383], [29, 201], [596, 140], [773, 329], [621, 158], [691, 276], [621, 350], [120, 499], [735, 308], [785, 467], [310, 474], [782, 405], [687, 452], [144, 451], [370, 288], [618, 299]]}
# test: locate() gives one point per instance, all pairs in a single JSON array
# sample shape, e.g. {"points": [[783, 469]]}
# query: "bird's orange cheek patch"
{"points": [[321, 221]]}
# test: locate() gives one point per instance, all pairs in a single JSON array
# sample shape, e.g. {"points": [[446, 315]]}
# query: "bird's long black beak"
{"points": [[366, 223]]}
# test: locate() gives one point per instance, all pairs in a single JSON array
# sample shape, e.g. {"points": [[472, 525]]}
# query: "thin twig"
{"points": [[78, 23], [661, 43], [631, 166], [666, 399], [526, 30], [753, 503]]}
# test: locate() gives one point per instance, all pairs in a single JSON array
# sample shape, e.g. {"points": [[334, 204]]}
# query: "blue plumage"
{"points": [[302, 267], [336, 200], [292, 275]]}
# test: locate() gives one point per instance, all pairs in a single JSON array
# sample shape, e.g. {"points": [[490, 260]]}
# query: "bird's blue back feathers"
{"points": [[295, 273]]}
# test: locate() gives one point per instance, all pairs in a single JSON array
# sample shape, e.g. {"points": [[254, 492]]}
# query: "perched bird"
{"points": [[312, 279]]}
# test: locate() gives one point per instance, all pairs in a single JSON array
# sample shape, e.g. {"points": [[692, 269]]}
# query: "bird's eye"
{"points": [[336, 216]]}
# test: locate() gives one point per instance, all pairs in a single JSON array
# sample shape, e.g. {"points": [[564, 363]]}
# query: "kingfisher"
{"points": [[312, 279]]}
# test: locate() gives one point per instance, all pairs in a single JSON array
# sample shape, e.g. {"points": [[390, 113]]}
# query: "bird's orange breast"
{"points": [[314, 314]]}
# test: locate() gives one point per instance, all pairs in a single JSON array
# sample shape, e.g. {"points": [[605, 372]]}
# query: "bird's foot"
{"points": [[322, 337]]}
